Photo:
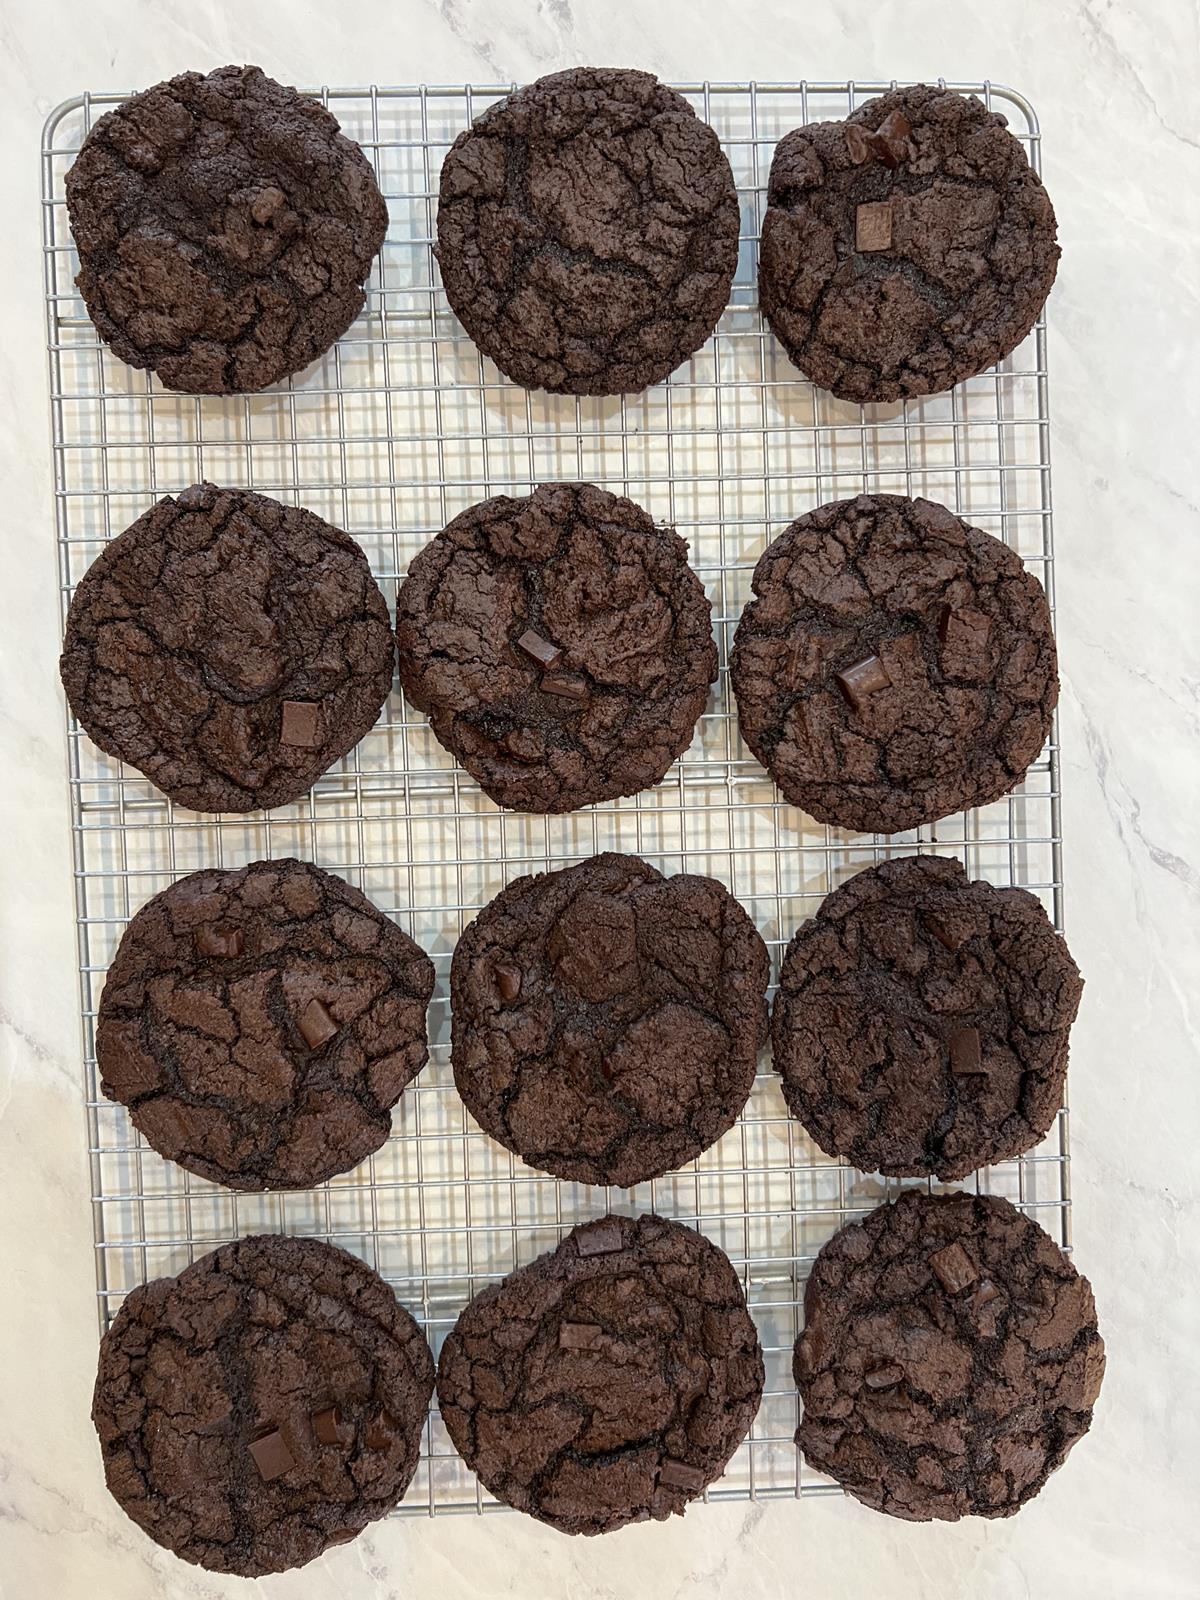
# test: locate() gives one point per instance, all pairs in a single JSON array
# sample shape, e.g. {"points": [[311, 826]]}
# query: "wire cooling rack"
{"points": [[398, 428]]}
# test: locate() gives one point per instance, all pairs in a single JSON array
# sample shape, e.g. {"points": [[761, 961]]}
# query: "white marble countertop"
{"points": [[1113, 81]]}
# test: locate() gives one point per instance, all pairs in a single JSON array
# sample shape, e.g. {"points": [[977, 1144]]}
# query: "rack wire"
{"points": [[402, 425]]}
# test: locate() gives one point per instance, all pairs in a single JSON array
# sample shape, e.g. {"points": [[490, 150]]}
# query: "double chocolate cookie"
{"points": [[895, 665], [608, 1382], [607, 1020], [588, 232], [950, 1358], [225, 228], [922, 1020], [560, 644], [906, 248], [262, 1406], [261, 1024], [228, 647]]}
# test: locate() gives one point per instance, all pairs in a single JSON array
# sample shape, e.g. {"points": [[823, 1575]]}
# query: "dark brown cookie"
{"points": [[225, 229], [262, 1406], [261, 1024], [607, 1020], [950, 1358], [921, 1022], [906, 248], [229, 647], [896, 664], [609, 1381], [588, 232], [560, 644]]}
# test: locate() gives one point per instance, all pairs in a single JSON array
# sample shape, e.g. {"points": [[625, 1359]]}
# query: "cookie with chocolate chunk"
{"points": [[263, 1406], [894, 666], [906, 248], [229, 647], [609, 1381], [225, 229], [587, 231], [261, 1024], [949, 1361], [607, 1020], [922, 1021], [560, 644]]}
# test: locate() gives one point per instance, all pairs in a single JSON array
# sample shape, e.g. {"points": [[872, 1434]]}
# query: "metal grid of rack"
{"points": [[397, 429]]}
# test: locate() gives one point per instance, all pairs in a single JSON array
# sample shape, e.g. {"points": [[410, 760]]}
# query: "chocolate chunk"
{"points": [[873, 226], [858, 143], [946, 933], [272, 1456], [886, 1376], [943, 627], [966, 1053], [567, 684], [599, 1238], [862, 679], [539, 649], [578, 1335], [679, 1475], [298, 724], [219, 942], [380, 1432], [891, 139], [316, 1025], [331, 1427], [954, 1268], [987, 1306], [508, 981]]}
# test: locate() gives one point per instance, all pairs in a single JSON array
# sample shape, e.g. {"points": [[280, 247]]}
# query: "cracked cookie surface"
{"points": [[262, 1406], [922, 1020], [588, 232], [607, 1382], [896, 664], [229, 647], [260, 1024], [906, 248], [560, 645], [225, 228], [950, 1358], [607, 1020]]}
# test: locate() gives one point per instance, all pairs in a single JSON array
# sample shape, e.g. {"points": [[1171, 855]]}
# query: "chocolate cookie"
{"points": [[906, 248], [229, 647], [225, 229], [921, 1022], [560, 644], [895, 666], [607, 1020], [262, 1406], [609, 1381], [588, 232], [950, 1358], [261, 1024]]}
